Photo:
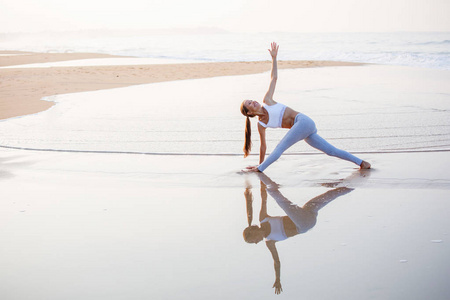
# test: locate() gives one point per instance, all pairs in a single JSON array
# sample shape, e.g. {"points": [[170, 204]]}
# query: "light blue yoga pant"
{"points": [[304, 128]]}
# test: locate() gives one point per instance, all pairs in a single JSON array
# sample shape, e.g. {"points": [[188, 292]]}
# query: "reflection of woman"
{"points": [[298, 220], [276, 115]]}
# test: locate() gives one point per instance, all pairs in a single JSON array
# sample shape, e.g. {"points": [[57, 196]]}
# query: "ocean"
{"points": [[399, 104], [417, 49]]}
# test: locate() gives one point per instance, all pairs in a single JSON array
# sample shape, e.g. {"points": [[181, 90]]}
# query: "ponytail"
{"points": [[248, 130], [248, 137]]}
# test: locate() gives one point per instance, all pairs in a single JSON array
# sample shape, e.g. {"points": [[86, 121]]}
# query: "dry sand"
{"points": [[21, 89]]}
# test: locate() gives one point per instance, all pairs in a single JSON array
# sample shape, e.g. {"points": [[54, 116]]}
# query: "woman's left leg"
{"points": [[321, 144]]}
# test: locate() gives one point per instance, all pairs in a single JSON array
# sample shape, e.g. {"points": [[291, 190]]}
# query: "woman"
{"points": [[273, 229], [276, 115]]}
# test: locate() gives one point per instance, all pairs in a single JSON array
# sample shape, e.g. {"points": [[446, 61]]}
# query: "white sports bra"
{"points": [[276, 113], [277, 232]]}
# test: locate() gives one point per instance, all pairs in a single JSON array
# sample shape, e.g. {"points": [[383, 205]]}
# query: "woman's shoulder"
{"points": [[274, 104], [269, 102]]}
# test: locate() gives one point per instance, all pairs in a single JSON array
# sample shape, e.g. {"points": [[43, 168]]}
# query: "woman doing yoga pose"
{"points": [[277, 115]]}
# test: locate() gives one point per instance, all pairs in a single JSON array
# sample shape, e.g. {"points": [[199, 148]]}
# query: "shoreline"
{"points": [[22, 89], [15, 58]]}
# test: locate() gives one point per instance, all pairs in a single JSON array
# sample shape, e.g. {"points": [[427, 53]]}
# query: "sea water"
{"points": [[363, 109], [359, 109], [423, 49]]}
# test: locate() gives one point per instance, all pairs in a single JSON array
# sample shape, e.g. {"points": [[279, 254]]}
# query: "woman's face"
{"points": [[252, 106], [255, 235], [255, 239]]}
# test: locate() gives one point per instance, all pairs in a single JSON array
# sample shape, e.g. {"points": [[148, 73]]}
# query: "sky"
{"points": [[231, 15]]}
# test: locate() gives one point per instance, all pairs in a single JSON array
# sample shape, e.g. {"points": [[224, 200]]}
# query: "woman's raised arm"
{"points": [[268, 98]]}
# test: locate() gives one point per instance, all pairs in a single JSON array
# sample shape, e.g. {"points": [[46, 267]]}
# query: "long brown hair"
{"points": [[248, 131]]}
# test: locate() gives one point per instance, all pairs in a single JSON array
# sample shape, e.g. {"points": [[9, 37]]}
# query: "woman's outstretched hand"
{"points": [[273, 50], [252, 169]]}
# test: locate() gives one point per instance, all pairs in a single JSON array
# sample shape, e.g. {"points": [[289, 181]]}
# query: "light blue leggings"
{"points": [[304, 128]]}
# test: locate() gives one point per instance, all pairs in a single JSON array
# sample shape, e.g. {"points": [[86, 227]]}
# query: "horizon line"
{"points": [[200, 30]]}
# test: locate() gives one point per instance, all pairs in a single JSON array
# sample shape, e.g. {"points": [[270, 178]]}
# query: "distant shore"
{"points": [[22, 89]]}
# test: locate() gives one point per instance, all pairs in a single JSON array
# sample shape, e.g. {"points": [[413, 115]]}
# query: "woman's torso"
{"points": [[281, 228], [288, 117], [289, 227]]}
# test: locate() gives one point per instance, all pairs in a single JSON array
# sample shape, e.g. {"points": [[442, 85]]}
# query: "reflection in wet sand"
{"points": [[298, 219], [9, 163]]}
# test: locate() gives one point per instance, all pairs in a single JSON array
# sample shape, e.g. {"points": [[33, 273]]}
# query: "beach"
{"points": [[126, 181], [22, 88]]}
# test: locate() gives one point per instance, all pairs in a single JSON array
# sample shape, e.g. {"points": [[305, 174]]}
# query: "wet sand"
{"points": [[76, 225], [21, 89]]}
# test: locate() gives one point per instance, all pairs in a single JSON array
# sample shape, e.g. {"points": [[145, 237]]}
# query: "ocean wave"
{"points": [[444, 42], [430, 50]]}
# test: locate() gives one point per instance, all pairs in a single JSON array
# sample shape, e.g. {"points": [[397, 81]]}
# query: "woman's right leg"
{"points": [[303, 218], [321, 144]]}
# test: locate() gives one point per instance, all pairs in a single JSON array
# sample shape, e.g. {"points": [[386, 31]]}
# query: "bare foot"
{"points": [[364, 165]]}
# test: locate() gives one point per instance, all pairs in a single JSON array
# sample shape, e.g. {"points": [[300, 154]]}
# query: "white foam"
{"points": [[13, 54], [104, 62], [423, 49]]}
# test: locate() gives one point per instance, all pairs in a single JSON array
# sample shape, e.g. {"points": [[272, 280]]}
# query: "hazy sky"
{"points": [[233, 15]]}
